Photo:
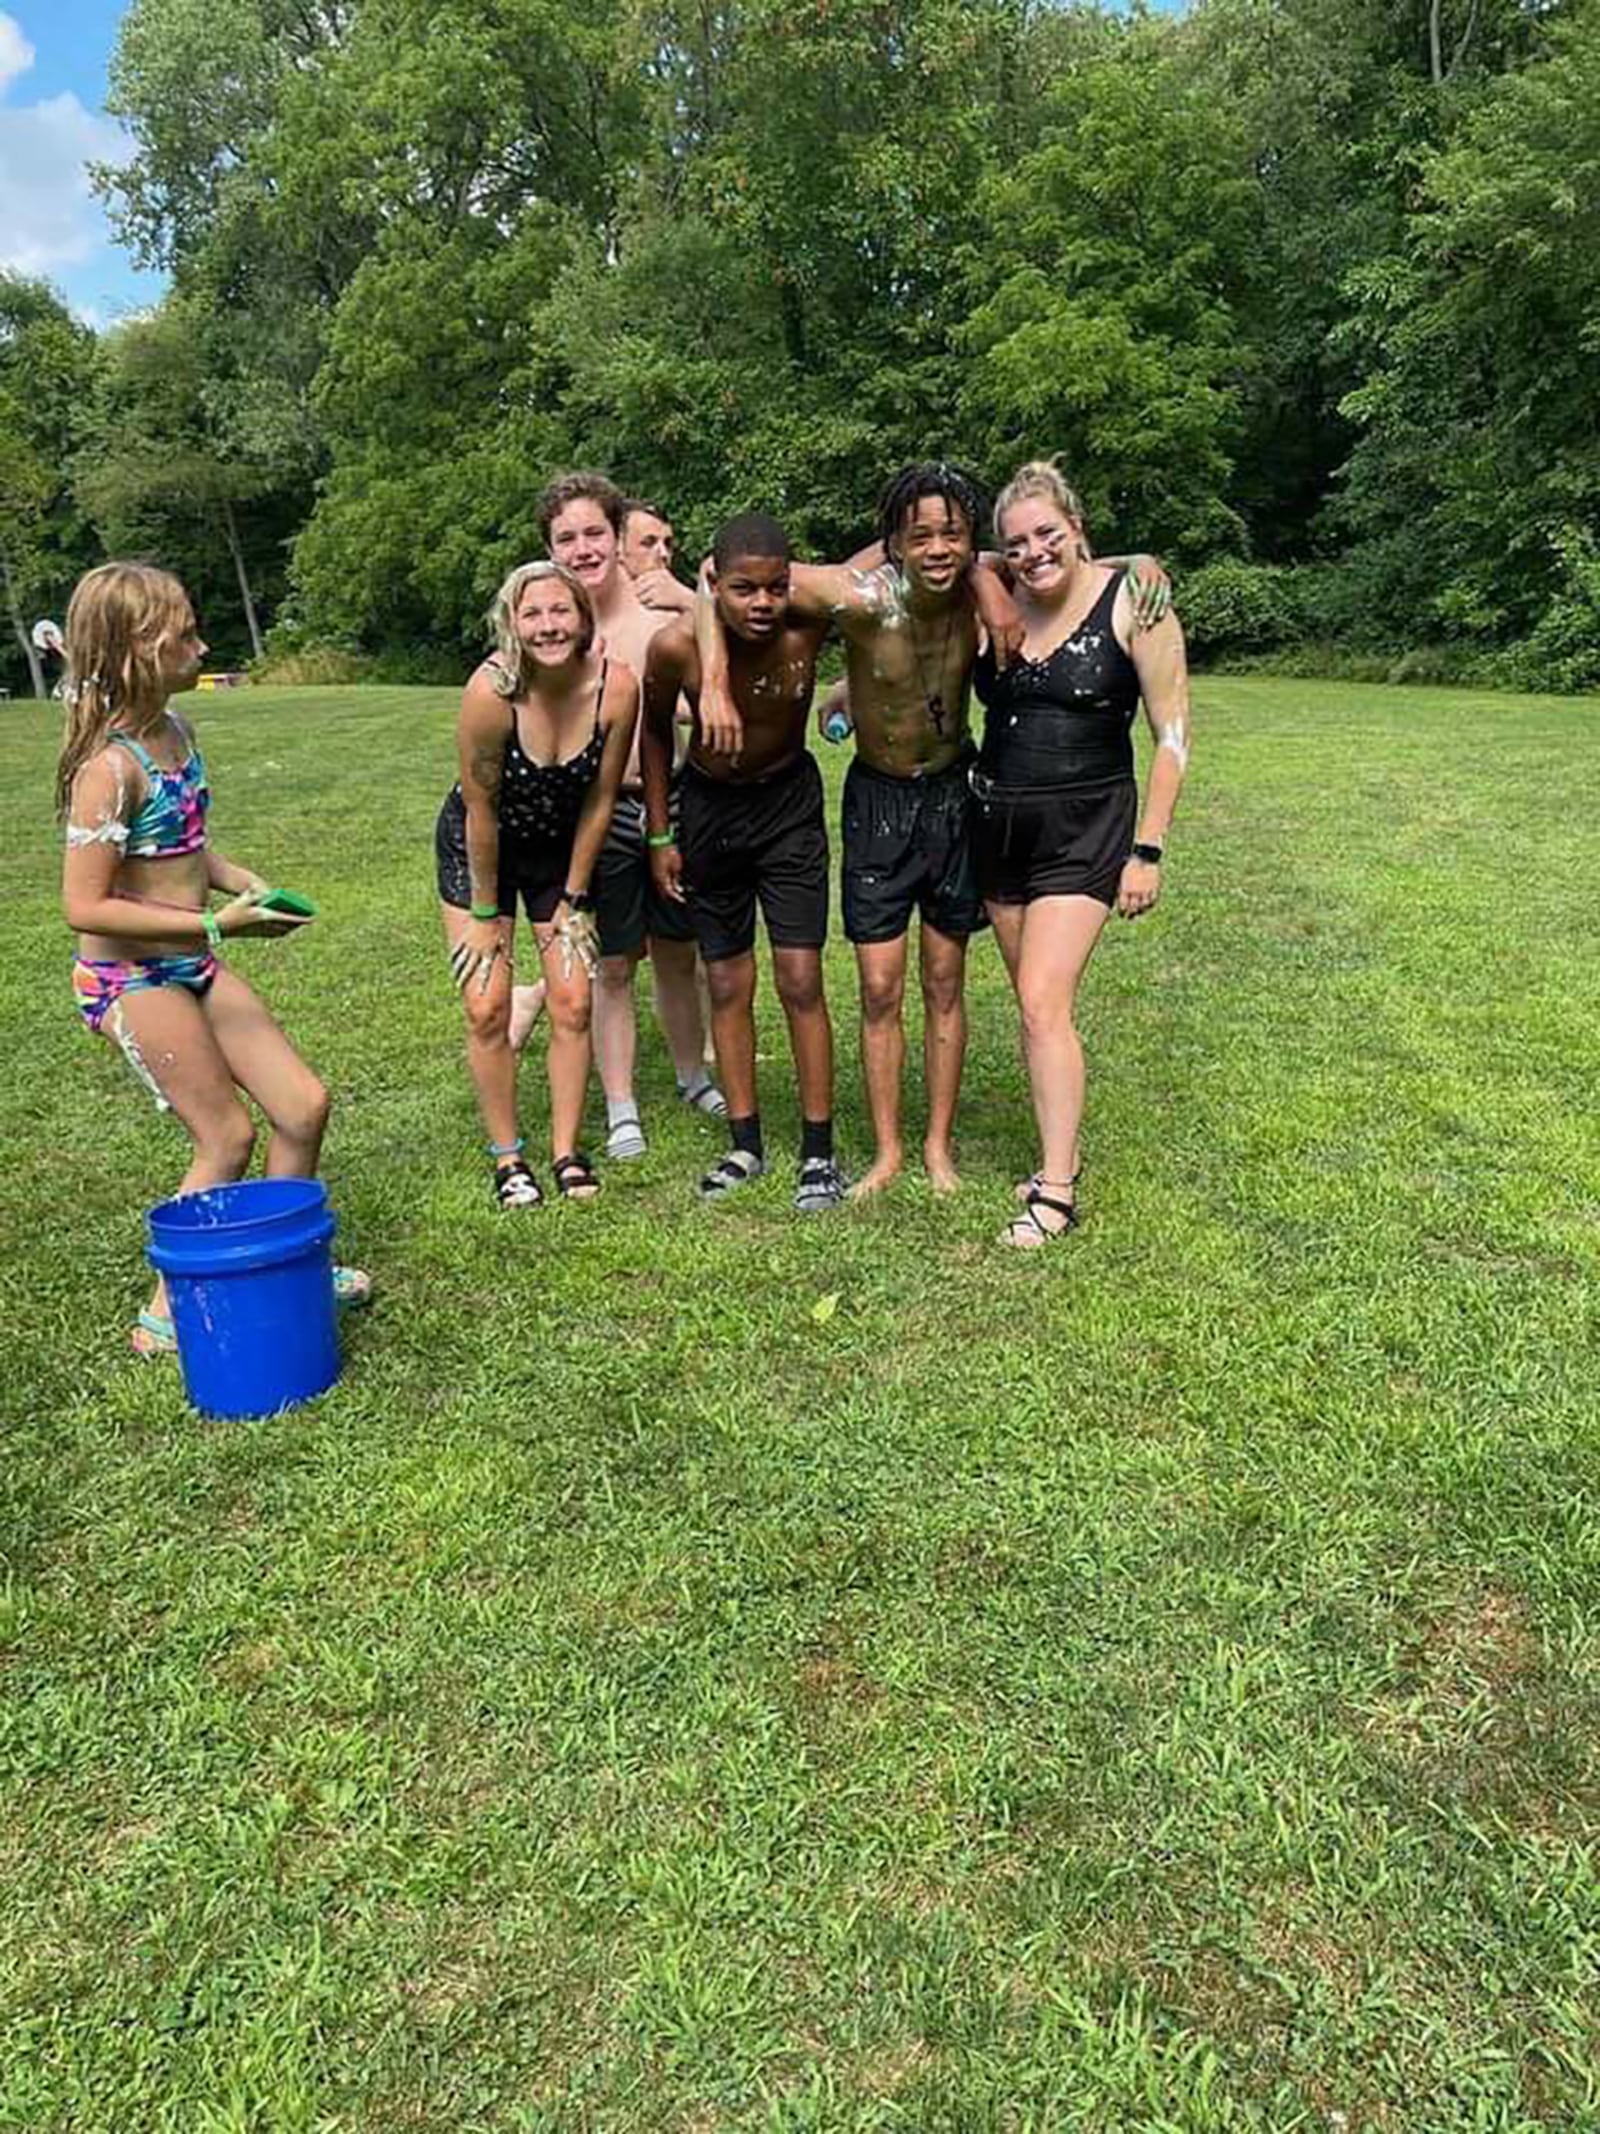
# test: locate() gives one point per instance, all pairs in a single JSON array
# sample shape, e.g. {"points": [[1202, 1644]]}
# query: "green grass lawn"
{"points": [[705, 1671]]}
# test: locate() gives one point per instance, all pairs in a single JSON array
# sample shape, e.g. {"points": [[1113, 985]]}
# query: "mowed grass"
{"points": [[705, 1671]]}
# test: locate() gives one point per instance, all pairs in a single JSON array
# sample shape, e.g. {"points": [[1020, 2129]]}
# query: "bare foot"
{"points": [[941, 1169], [883, 1172], [527, 1005]]}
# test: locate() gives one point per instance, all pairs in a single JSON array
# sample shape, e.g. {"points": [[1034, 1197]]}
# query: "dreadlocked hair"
{"points": [[962, 491], [118, 617], [1042, 477], [509, 658]]}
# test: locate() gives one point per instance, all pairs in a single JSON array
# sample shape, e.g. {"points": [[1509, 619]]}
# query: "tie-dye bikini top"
{"points": [[172, 818]]}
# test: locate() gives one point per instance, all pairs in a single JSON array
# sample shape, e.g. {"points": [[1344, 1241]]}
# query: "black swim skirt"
{"points": [[538, 877], [1052, 841]]}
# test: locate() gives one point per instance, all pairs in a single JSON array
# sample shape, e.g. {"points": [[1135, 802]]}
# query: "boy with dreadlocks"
{"points": [[910, 628]]}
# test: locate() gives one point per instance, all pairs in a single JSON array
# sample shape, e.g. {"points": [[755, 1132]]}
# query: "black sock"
{"points": [[816, 1140], [747, 1135]]}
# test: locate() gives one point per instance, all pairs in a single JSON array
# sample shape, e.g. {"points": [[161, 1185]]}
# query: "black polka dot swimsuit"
{"points": [[540, 804]]}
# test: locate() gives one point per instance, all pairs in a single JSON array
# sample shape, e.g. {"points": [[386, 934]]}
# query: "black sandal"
{"points": [[515, 1185], [1027, 1233], [574, 1177]]}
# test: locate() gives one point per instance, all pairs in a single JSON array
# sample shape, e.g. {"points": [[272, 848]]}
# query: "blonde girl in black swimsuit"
{"points": [[1058, 840], [545, 729]]}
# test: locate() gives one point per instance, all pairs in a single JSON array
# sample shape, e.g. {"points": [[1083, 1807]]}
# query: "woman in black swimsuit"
{"points": [[1056, 800], [545, 729]]}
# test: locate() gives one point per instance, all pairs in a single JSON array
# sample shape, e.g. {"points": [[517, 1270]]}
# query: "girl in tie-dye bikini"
{"points": [[137, 883]]}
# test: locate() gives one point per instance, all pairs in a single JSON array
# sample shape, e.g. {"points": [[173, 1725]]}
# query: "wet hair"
{"points": [[507, 661], [631, 504], [582, 487], [752, 533], [1040, 477], [962, 491], [117, 618]]}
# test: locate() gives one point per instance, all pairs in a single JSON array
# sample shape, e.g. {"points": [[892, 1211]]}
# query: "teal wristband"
{"points": [[213, 927], [485, 911], [658, 840]]}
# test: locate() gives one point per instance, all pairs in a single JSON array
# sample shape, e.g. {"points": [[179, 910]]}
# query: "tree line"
{"points": [[1305, 293]]}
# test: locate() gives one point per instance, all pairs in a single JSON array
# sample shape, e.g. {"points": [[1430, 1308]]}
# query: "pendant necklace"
{"points": [[934, 698]]}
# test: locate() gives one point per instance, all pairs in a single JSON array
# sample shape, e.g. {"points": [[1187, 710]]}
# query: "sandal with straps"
{"points": [[515, 1185], [729, 1173], [574, 1177], [1025, 1231], [1025, 1186]]}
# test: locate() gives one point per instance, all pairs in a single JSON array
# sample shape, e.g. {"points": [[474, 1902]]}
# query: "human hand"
{"points": [[479, 948], [579, 938], [833, 713], [721, 724], [1150, 590], [242, 919], [1000, 616], [666, 872], [658, 588], [1139, 887]]}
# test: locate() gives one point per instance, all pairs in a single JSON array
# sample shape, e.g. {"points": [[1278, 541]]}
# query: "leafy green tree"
{"points": [[1105, 325], [1476, 477], [158, 467], [47, 368]]}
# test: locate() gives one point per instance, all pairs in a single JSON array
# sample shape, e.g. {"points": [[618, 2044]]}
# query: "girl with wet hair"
{"points": [[137, 885], [1059, 842], [544, 735]]}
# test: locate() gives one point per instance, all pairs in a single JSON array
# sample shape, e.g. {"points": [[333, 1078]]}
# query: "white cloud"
{"points": [[49, 216], [16, 54]]}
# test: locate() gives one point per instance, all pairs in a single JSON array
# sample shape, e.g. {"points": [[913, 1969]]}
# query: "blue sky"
{"points": [[53, 56]]}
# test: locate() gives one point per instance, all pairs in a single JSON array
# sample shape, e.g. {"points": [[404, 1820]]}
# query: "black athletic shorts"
{"points": [[765, 840], [538, 875], [626, 906], [1052, 840], [908, 846]]}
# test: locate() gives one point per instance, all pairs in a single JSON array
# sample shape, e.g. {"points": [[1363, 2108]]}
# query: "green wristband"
{"points": [[213, 927], [485, 911], [658, 840]]}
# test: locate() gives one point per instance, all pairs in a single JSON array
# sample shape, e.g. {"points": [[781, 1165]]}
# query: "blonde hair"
{"points": [[1041, 477], [116, 620], [508, 656]]}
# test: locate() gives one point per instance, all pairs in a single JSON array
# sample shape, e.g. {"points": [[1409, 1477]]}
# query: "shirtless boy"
{"points": [[752, 830], [581, 518], [911, 634]]}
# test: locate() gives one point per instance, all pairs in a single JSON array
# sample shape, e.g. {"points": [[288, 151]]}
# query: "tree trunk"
{"points": [[24, 639], [230, 528], [1435, 42]]}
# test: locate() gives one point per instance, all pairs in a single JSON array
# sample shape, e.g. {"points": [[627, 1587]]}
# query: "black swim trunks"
{"points": [[1052, 841], [908, 846], [626, 905], [765, 840], [536, 873]]}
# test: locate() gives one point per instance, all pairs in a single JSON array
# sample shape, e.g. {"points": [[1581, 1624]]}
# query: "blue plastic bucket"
{"points": [[249, 1271]]}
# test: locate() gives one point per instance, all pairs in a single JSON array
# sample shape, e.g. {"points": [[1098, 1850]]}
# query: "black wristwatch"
{"points": [[577, 900], [1150, 854]]}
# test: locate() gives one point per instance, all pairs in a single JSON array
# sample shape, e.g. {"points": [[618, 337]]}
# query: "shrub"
{"points": [[1562, 652], [312, 667], [1231, 607]]}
